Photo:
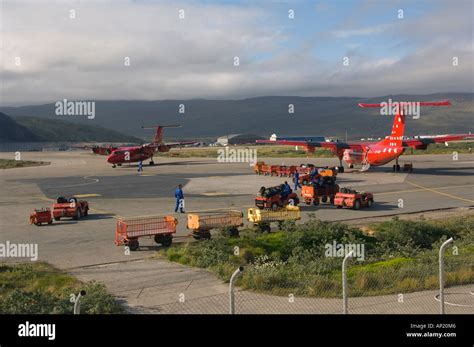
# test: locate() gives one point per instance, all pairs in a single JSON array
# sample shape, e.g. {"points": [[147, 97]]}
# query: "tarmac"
{"points": [[146, 284]]}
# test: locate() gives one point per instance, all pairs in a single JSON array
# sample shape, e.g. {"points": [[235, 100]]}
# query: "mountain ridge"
{"points": [[265, 115]]}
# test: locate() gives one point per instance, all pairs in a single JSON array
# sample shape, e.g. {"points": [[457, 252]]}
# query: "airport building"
{"points": [[237, 139]]}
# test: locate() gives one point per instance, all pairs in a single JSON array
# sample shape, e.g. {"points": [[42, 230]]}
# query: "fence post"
{"points": [[441, 273], [231, 289], [77, 302], [344, 281]]}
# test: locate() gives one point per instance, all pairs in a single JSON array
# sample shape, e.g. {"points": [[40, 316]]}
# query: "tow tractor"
{"points": [[76, 209], [315, 193], [272, 198], [350, 198]]}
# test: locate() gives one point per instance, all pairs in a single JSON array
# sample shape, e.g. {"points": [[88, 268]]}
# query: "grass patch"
{"points": [[275, 151], [11, 164], [400, 256], [41, 289]]}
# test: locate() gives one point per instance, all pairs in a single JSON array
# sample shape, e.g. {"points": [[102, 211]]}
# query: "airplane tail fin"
{"points": [[158, 138], [398, 129], [395, 138]]}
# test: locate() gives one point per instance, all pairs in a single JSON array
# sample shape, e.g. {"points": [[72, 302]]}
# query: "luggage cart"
{"points": [[40, 216], [262, 219], [129, 230], [202, 224]]}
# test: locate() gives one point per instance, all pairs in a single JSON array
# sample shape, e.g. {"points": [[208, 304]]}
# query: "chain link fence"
{"points": [[373, 289]]}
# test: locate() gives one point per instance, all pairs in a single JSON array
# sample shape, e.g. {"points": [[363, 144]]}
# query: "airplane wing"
{"points": [[311, 145], [96, 149], [423, 142], [179, 144]]}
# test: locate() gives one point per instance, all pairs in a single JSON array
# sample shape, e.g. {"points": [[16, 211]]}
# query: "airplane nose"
{"points": [[111, 159]]}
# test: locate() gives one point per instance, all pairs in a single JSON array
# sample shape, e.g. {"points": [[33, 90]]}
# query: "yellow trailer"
{"points": [[262, 218], [202, 224]]}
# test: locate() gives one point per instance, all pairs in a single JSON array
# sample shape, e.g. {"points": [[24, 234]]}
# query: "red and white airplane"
{"points": [[135, 154], [376, 153]]}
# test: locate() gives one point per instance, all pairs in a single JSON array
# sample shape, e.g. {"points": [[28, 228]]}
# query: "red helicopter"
{"points": [[133, 154], [377, 153]]}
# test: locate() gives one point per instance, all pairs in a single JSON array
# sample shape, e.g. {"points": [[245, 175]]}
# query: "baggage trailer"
{"points": [[129, 230], [40, 216], [202, 224], [286, 171], [257, 168], [265, 170], [76, 209], [353, 199], [327, 173], [262, 219], [268, 170], [315, 194]]}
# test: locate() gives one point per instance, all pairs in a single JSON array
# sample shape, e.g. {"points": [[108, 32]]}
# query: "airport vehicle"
{"points": [[262, 219], [286, 171], [135, 154], [202, 224], [329, 174], [267, 170], [257, 168], [272, 198], [129, 230], [76, 209], [274, 170], [40, 216], [379, 153], [347, 197], [315, 193], [260, 168]]}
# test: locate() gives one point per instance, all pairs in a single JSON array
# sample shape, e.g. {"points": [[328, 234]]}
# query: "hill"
{"points": [[329, 116], [33, 129], [11, 131]]}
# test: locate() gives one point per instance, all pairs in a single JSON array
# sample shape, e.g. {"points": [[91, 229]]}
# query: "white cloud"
{"points": [[82, 58], [372, 30]]}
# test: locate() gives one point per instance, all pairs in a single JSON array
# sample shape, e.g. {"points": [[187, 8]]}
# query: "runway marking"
{"points": [[102, 212], [214, 193], [420, 190], [146, 175], [86, 195], [438, 192], [96, 180]]}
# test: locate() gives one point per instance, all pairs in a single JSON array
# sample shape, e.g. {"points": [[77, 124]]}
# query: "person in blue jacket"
{"points": [[296, 180], [140, 166], [179, 195], [286, 190], [313, 174]]}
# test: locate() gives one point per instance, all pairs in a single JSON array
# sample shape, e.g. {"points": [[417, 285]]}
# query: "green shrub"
{"points": [[399, 235], [402, 256], [41, 289]]}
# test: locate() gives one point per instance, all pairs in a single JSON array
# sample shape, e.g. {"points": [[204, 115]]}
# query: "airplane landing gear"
{"points": [[114, 166], [340, 168], [396, 166], [151, 163]]}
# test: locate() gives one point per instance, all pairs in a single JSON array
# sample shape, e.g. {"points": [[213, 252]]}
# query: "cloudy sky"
{"points": [[329, 48]]}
